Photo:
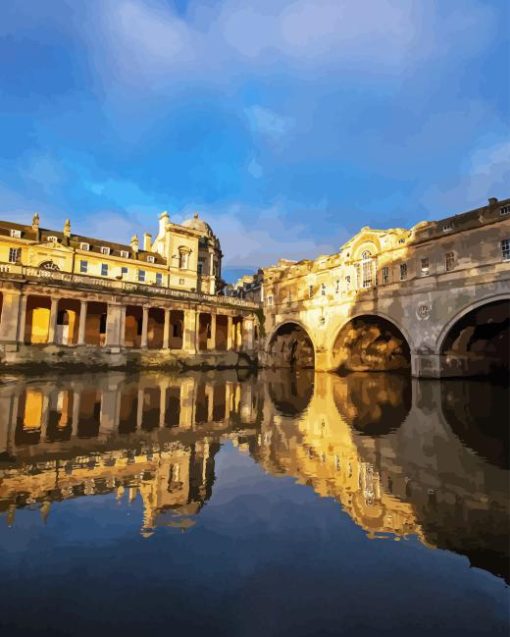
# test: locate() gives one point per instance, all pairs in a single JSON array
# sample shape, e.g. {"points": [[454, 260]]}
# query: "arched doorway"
{"points": [[479, 341], [291, 347], [371, 343]]}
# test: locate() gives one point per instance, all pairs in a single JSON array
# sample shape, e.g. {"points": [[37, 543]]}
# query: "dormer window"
{"points": [[151, 259], [448, 227], [16, 234], [104, 250], [52, 239], [124, 254], [85, 246], [505, 210]]}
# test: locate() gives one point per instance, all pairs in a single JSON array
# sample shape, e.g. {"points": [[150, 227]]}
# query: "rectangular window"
{"points": [[159, 278], [124, 254], [448, 226], [337, 287], [104, 269], [141, 276], [347, 282], [181, 281], [403, 271], [150, 259], [270, 300], [310, 291], [123, 270], [323, 289], [84, 266], [449, 261], [200, 268], [85, 246], [425, 265], [16, 234], [385, 274], [104, 250], [14, 255], [505, 210], [505, 249]]}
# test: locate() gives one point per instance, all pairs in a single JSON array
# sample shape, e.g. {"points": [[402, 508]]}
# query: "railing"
{"points": [[16, 271]]}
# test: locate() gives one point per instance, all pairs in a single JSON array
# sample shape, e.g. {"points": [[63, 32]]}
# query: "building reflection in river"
{"points": [[402, 457]]}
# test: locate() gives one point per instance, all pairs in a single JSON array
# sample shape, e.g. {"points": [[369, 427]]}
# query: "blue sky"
{"points": [[288, 124]]}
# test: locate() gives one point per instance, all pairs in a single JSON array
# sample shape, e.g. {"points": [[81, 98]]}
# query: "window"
{"points": [[159, 278], [449, 261], [310, 291], [385, 274], [181, 281], [505, 210], [124, 254], [150, 259], [366, 268], [200, 268], [16, 234], [323, 289], [85, 246], [347, 282], [52, 239], [123, 270], [270, 300], [425, 265], [141, 276], [14, 255], [337, 287], [104, 250], [183, 258], [403, 271], [448, 226], [104, 269], [84, 266], [505, 249]]}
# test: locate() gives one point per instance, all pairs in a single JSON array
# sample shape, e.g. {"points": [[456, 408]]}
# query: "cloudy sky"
{"points": [[287, 124]]}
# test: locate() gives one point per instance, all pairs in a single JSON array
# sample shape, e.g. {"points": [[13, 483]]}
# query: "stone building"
{"points": [[66, 291], [434, 298]]}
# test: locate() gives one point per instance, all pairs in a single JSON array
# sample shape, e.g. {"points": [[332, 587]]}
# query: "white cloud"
{"points": [[268, 123]]}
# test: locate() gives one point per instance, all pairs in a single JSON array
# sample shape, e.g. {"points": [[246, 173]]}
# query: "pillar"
{"points": [[76, 413], [113, 324], [212, 343], [139, 408], [189, 336], [229, 333], [22, 318], [82, 323], [166, 330], [53, 321], [162, 405], [145, 326], [248, 333], [122, 336], [10, 325]]}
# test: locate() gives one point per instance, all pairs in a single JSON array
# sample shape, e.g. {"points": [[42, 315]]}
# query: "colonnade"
{"points": [[35, 318]]}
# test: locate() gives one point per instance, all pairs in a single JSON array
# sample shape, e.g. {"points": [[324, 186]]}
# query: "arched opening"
{"points": [[290, 391], [290, 346], [371, 343], [479, 342]]}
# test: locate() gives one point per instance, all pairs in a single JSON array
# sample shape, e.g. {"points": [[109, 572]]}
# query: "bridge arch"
{"points": [[290, 345], [479, 335], [370, 341]]}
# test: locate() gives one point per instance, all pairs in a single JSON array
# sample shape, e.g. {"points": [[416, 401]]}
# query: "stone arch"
{"points": [[477, 339], [290, 345], [371, 342]]}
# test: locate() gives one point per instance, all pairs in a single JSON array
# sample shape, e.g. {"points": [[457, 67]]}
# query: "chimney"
{"points": [[67, 231], [164, 218], [147, 242], [134, 244], [35, 226], [493, 201]]}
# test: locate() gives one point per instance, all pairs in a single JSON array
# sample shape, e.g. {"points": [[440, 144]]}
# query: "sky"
{"points": [[288, 125]]}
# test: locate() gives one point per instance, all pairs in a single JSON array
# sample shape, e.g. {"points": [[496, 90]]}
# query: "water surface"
{"points": [[295, 505]]}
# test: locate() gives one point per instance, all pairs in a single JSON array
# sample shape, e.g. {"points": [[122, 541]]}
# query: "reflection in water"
{"points": [[401, 457]]}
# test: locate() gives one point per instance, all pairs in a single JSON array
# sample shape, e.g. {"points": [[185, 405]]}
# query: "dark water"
{"points": [[210, 504]]}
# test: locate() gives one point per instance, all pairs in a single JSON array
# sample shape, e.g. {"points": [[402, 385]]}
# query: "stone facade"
{"points": [[434, 298]]}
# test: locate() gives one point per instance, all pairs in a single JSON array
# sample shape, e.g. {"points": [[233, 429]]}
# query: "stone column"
{"points": [[113, 324], [145, 327], [212, 343], [22, 318], [82, 323], [11, 313], [53, 321], [166, 330], [248, 334], [122, 335], [239, 335], [162, 405], [189, 335], [139, 408], [229, 333], [76, 413]]}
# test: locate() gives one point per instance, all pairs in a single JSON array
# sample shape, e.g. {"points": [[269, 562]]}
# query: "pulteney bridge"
{"points": [[435, 299]]}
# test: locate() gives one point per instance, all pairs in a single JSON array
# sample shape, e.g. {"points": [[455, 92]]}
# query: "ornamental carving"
{"points": [[423, 312]]}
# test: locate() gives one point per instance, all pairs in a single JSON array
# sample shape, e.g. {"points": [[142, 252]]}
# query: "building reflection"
{"points": [[402, 457]]}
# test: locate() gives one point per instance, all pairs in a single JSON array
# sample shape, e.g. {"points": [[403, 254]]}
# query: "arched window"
{"points": [[366, 269]]}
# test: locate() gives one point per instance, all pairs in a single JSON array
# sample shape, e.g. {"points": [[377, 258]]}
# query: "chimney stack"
{"points": [[164, 218], [147, 242], [493, 201], [134, 244]]}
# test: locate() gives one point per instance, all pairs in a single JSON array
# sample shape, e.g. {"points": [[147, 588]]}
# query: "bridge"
{"points": [[434, 299]]}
